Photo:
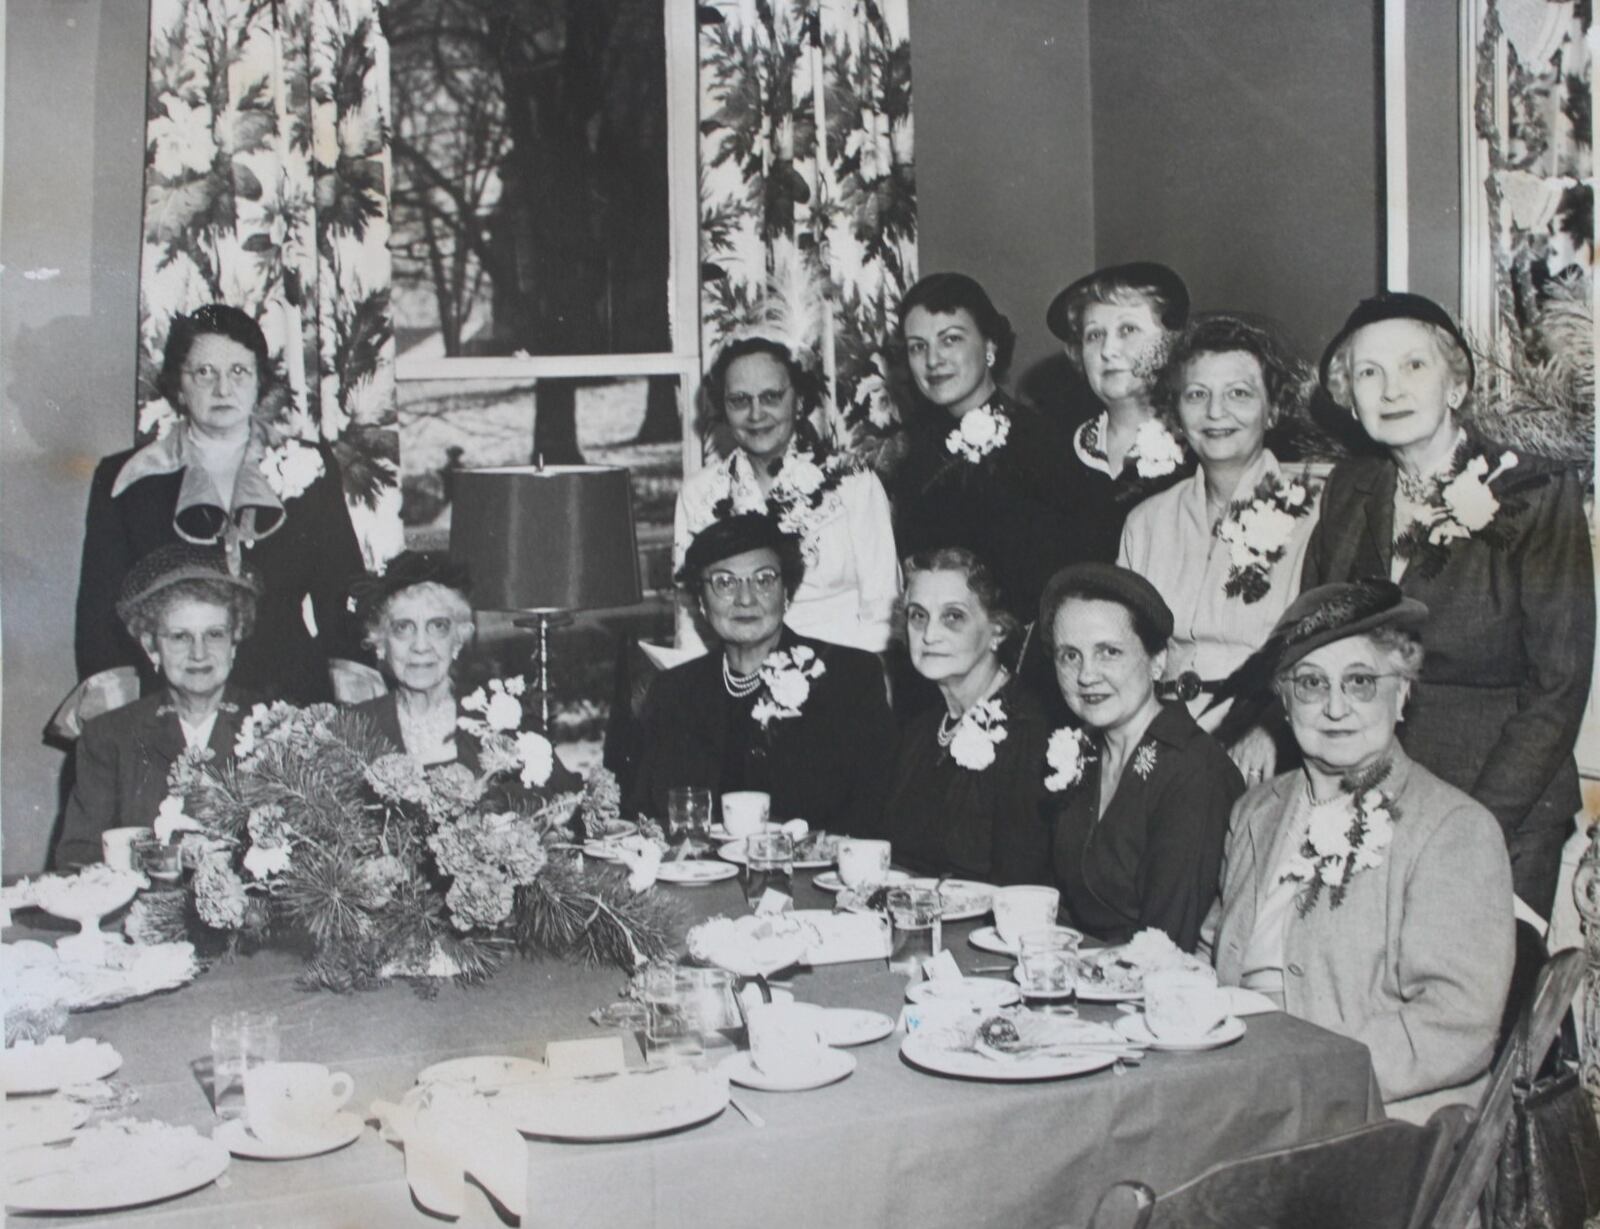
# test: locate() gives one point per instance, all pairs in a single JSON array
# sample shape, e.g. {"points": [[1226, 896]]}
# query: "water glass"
{"points": [[240, 1040], [688, 813], [672, 1031], [769, 866], [1047, 961], [914, 914]]}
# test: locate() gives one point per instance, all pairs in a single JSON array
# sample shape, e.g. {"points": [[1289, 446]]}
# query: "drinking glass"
{"points": [[240, 1040], [688, 814], [915, 915], [1047, 962], [672, 1032], [769, 866]]}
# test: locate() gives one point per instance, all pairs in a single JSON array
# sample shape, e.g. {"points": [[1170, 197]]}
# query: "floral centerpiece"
{"points": [[322, 837]]}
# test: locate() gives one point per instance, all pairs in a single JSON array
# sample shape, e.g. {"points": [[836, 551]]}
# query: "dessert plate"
{"points": [[829, 881], [483, 1072], [832, 1067], [46, 1120], [852, 1026], [1134, 1028], [983, 992], [734, 852], [927, 1052], [962, 899], [690, 874], [632, 1105], [27, 1068], [234, 1135], [119, 1165]]}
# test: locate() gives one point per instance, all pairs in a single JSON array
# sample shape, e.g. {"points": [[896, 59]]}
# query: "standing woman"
{"points": [[968, 784], [984, 471], [1116, 326], [779, 466], [224, 475], [1494, 543], [1145, 796]]}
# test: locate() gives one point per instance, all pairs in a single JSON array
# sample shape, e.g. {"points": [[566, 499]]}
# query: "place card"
{"points": [[589, 1056], [772, 902], [942, 967]]}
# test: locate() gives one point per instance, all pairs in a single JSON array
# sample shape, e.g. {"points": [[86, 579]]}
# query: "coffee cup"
{"points": [[116, 846], [785, 1039], [1183, 1004], [863, 862], [288, 1102], [745, 811], [1024, 907]]}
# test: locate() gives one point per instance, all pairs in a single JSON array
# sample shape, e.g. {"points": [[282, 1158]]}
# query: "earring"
{"points": [[988, 359]]}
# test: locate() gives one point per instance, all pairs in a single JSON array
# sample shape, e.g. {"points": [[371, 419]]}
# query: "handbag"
{"points": [[1547, 1175]]}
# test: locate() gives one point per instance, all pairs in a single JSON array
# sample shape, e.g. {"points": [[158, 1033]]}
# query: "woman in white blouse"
{"points": [[1225, 546], [779, 466]]}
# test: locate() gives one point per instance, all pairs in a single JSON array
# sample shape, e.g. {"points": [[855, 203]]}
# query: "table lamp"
{"points": [[546, 540]]}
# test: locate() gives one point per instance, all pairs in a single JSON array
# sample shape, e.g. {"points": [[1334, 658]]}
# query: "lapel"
{"points": [[1254, 845], [162, 736], [1376, 532]]}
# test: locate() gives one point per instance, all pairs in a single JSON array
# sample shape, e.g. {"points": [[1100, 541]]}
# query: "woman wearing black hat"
{"points": [[1362, 892], [188, 614], [802, 720], [1116, 326], [1145, 793], [1495, 544]]}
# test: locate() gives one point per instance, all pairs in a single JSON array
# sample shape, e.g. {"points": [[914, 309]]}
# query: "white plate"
{"points": [[108, 1167], [926, 1052], [483, 1072], [964, 899], [344, 1129], [976, 991], [27, 1068], [1104, 994], [48, 1120], [741, 1069], [692, 874], [733, 851], [628, 1106], [1043, 996], [829, 881], [853, 1026], [1137, 1031], [987, 939]]}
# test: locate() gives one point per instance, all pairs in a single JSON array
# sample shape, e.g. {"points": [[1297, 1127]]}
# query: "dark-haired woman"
{"points": [[984, 471], [1116, 326], [779, 466], [222, 474]]}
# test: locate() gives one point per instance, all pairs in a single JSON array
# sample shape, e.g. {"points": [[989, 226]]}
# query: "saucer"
{"points": [[829, 881], [1134, 1028], [852, 1026], [691, 874], [344, 1128], [983, 992], [832, 1066], [987, 939]]}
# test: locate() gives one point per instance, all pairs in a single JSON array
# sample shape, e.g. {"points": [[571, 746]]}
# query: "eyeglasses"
{"points": [[763, 583], [206, 373], [436, 628], [769, 399], [1312, 686], [212, 638]]}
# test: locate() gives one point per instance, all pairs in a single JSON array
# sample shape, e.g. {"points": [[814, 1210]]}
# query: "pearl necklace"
{"points": [[739, 685], [949, 725]]}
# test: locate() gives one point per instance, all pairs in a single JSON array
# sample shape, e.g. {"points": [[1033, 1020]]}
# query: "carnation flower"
{"points": [[291, 467], [981, 729], [1329, 833], [378, 878], [978, 429], [170, 819], [786, 677], [802, 475], [980, 432], [790, 688], [504, 712], [264, 861], [1155, 452], [538, 758], [1067, 754]]}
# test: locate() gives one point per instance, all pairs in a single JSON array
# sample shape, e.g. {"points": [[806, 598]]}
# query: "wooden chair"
{"points": [[1369, 1178]]}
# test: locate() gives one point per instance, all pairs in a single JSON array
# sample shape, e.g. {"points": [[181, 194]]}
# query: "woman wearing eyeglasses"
{"points": [[1360, 891], [767, 709], [779, 465], [188, 613], [221, 471]]}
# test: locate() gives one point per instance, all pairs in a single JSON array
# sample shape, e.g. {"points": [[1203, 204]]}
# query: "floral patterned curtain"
{"points": [[806, 161], [266, 186]]}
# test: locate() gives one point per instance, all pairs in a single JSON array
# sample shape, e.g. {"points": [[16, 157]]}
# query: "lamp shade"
{"points": [[556, 537]]}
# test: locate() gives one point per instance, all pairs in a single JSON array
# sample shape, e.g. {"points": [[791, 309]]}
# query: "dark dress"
{"points": [[313, 552], [1155, 857], [990, 825], [122, 761], [829, 766], [1509, 645], [1104, 502]]}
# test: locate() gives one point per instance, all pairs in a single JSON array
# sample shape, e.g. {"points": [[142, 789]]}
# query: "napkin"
{"points": [[448, 1133]]}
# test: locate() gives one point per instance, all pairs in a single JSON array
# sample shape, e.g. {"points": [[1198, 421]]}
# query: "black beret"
{"points": [[1396, 305], [1116, 584], [730, 536]]}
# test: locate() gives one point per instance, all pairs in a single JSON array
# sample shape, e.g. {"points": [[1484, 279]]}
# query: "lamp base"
{"points": [[544, 620]]}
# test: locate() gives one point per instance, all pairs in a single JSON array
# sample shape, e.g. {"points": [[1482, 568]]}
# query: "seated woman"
{"points": [[1224, 547], [1363, 892], [1139, 829], [804, 720], [418, 621], [780, 466], [188, 613], [968, 786]]}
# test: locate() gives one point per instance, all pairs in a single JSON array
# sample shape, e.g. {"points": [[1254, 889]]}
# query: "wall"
{"points": [[74, 133], [1433, 150]]}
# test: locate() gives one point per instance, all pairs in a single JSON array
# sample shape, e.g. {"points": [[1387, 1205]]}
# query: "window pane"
{"points": [[530, 196]]}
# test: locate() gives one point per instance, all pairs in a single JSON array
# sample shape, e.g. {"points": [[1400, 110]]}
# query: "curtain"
{"points": [[806, 174], [267, 179]]}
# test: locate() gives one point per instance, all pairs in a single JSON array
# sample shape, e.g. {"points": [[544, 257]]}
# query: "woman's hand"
{"points": [[1255, 755]]}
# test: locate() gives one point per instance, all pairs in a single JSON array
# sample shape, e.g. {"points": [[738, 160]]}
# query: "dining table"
{"points": [[889, 1145]]}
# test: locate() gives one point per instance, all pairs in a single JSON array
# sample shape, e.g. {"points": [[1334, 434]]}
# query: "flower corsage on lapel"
{"points": [[786, 678], [504, 746], [1456, 505], [980, 432], [1156, 451], [975, 735], [289, 463], [800, 498], [1067, 753], [1257, 531], [1345, 837]]}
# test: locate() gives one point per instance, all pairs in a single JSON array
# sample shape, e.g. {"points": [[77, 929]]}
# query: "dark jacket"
{"points": [[829, 766], [123, 758], [314, 552]]}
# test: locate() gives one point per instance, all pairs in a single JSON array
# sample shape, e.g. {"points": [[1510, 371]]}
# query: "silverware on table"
{"points": [[748, 1114]]}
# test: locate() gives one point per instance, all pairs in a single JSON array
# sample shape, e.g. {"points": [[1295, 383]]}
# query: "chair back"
{"points": [[1530, 960], [1467, 1174], [1368, 1178]]}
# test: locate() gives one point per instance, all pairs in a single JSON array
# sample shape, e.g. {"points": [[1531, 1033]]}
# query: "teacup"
{"points": [[785, 1041], [745, 811], [863, 862], [288, 1102], [1022, 908], [116, 846], [1183, 1004]]}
